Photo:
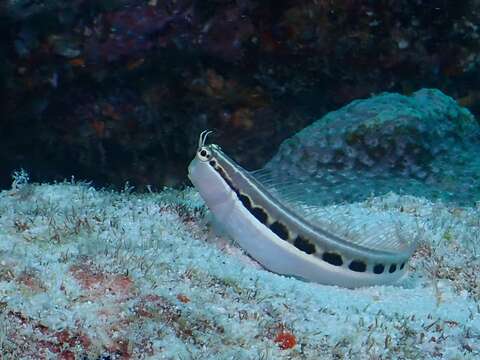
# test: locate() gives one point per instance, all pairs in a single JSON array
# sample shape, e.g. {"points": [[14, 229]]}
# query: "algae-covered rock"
{"points": [[424, 144]]}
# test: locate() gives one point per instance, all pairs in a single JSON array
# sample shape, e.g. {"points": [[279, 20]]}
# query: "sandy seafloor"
{"points": [[88, 274]]}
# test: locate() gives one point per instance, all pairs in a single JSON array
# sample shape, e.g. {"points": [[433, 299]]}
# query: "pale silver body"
{"points": [[274, 253]]}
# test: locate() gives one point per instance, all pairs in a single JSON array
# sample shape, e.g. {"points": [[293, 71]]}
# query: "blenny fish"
{"points": [[275, 231]]}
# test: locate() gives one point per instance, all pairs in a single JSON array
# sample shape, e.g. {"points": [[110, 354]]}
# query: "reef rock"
{"points": [[424, 145]]}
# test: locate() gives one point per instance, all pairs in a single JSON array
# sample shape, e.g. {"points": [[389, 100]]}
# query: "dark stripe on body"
{"points": [[278, 227]]}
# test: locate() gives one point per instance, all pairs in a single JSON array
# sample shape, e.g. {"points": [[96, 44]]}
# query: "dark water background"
{"points": [[119, 90]]}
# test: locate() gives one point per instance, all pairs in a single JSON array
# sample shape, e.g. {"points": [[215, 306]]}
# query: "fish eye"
{"points": [[204, 154]]}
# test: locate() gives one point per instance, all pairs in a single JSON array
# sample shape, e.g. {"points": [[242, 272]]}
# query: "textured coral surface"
{"points": [[87, 274], [424, 144]]}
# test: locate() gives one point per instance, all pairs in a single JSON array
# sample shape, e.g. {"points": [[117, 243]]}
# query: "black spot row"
{"points": [[245, 201], [300, 243], [358, 265], [259, 213], [277, 227], [379, 268], [304, 245], [332, 258]]}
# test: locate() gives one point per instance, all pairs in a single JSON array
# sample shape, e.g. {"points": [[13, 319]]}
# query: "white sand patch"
{"points": [[145, 276]]}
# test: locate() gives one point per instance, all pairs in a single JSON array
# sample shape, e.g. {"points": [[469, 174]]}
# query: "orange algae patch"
{"points": [[286, 340], [98, 127], [31, 281], [62, 343], [101, 283], [87, 277], [78, 62], [183, 298]]}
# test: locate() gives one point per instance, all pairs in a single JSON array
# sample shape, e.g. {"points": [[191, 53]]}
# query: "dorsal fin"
{"points": [[356, 224]]}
